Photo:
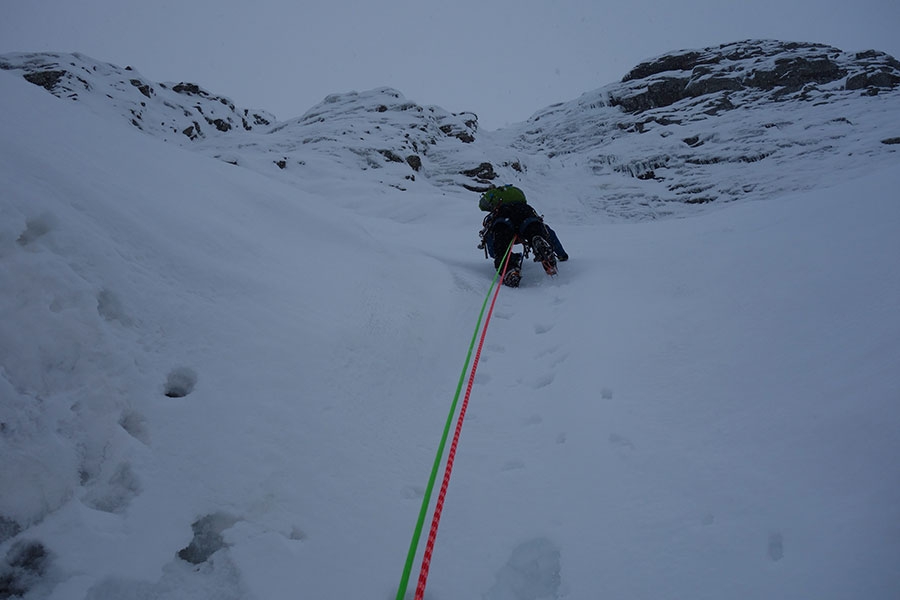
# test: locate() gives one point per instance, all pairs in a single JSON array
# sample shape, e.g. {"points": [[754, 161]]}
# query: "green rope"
{"points": [[414, 544]]}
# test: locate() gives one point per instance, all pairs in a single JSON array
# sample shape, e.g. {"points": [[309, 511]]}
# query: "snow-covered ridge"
{"points": [[373, 130], [682, 130], [172, 111]]}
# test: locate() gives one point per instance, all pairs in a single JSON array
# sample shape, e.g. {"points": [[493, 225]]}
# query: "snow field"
{"points": [[704, 407]]}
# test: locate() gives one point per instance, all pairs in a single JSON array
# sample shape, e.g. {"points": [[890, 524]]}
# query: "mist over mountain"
{"points": [[228, 342]]}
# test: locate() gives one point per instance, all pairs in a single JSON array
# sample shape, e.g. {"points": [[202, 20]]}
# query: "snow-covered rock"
{"points": [[176, 112], [745, 115]]}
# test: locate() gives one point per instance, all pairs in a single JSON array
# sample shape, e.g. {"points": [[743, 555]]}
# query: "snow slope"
{"points": [[705, 407]]}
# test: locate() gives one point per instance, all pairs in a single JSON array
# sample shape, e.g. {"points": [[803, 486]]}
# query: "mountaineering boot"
{"points": [[513, 270], [543, 253], [512, 278]]}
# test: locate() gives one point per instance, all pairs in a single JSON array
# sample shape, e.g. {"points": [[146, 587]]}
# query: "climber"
{"points": [[509, 218]]}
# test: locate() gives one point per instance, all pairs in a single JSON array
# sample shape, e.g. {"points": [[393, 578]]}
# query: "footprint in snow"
{"points": [[114, 492], [543, 381], [533, 572], [412, 492], [775, 548], [621, 441], [135, 424], [513, 465], [534, 420], [110, 307], [35, 228], [482, 378], [547, 351], [541, 328]]}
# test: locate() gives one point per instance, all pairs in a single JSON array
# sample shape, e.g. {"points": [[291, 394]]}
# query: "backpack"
{"points": [[505, 194]]}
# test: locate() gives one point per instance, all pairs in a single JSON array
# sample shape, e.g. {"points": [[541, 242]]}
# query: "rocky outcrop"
{"points": [[377, 130], [783, 69], [722, 124]]}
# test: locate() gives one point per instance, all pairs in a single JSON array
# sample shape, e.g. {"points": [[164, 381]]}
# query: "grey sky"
{"points": [[502, 59]]}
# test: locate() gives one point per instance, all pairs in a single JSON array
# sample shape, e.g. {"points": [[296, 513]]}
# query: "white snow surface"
{"points": [[705, 407]]}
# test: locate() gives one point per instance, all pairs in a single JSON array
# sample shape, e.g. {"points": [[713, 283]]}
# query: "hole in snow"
{"points": [[181, 382]]}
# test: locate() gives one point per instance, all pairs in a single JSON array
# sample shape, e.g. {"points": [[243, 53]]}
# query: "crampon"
{"points": [[543, 254]]}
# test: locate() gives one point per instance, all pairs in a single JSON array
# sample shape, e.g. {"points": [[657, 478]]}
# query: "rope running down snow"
{"points": [[426, 559]]}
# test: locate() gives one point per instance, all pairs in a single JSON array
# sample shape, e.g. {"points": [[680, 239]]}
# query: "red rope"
{"points": [[451, 456]]}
